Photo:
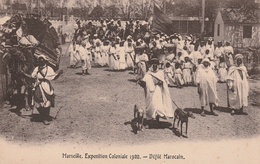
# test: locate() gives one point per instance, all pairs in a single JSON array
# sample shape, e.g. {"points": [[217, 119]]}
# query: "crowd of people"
{"points": [[184, 62]]}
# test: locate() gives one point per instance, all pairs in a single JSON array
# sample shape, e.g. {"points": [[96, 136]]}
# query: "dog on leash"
{"points": [[138, 122], [182, 117]]}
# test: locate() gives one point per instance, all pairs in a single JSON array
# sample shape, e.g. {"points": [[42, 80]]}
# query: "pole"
{"points": [[11, 7], [164, 6], [38, 6], [203, 17]]}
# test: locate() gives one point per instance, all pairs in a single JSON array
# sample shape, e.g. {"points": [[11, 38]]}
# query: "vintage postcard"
{"points": [[130, 81]]}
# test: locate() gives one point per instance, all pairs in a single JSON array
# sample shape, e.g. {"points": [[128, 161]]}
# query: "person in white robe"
{"points": [[238, 87], [207, 87], [98, 55], [84, 56], [210, 46], [104, 52], [178, 75], [218, 53], [121, 56], [157, 95], [73, 54], [113, 58], [195, 70], [195, 56], [129, 50], [222, 71], [229, 51], [187, 73], [168, 71], [141, 60], [202, 48]]}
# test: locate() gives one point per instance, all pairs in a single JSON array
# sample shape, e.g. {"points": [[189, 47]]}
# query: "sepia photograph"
{"points": [[130, 81]]}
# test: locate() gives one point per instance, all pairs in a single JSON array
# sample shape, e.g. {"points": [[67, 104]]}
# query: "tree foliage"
{"points": [[144, 8]]}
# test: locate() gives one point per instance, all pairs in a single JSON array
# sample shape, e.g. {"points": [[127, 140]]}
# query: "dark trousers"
{"points": [[45, 113]]}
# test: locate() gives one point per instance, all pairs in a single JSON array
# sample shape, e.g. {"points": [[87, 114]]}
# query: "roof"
{"points": [[184, 18], [234, 15]]}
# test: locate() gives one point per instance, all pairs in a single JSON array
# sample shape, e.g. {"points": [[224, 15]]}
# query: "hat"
{"points": [[239, 56], [205, 60], [188, 38], [154, 61], [43, 57], [210, 39]]}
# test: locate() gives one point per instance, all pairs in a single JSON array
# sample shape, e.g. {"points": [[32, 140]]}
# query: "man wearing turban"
{"points": [[238, 87]]}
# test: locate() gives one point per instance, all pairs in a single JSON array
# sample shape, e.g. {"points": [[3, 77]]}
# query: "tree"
{"points": [[97, 12]]}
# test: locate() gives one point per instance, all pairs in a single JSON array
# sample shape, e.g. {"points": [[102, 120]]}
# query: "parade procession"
{"points": [[100, 76]]}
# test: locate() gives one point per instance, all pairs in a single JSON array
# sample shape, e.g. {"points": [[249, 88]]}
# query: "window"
{"points": [[247, 32], [218, 29]]}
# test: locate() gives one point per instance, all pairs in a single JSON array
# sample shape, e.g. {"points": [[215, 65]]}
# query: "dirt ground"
{"points": [[98, 108]]}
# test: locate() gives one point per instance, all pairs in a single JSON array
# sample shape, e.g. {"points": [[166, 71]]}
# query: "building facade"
{"points": [[240, 27]]}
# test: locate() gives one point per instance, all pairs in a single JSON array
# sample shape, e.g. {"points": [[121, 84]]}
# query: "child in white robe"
{"points": [[222, 72], [187, 66], [178, 77], [168, 71]]}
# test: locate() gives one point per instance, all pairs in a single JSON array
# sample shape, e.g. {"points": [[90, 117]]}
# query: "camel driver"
{"points": [[238, 87], [157, 95], [43, 90]]}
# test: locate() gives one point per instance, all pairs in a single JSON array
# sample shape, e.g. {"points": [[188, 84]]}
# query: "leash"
{"points": [[171, 98], [175, 104], [57, 113]]}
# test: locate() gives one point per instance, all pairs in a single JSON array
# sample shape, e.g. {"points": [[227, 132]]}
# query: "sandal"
{"points": [[232, 112]]}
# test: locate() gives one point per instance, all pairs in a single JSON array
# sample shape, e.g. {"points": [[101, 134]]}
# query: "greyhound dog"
{"points": [[138, 122], [183, 118]]}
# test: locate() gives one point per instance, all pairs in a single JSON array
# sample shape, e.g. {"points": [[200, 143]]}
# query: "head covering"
{"points": [[154, 61], [238, 56], [42, 56], [188, 38], [205, 60], [227, 43]]}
